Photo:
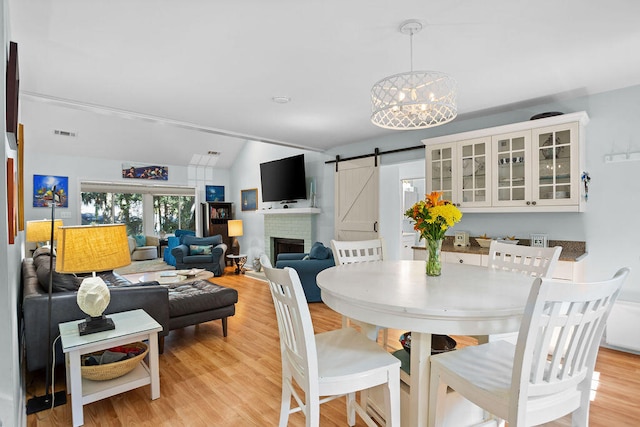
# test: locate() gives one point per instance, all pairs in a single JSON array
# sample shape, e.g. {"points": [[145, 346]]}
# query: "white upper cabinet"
{"points": [[522, 167]]}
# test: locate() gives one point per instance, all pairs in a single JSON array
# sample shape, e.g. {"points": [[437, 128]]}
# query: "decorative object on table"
{"points": [[49, 399], [312, 194], [432, 218], [414, 99], [235, 229], [99, 367], [461, 238], [47, 188], [214, 193], [509, 239], [249, 199], [88, 249], [145, 171], [484, 241], [586, 179], [257, 266], [439, 343]]}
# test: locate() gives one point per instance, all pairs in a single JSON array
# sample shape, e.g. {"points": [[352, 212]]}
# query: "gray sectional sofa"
{"points": [[173, 306]]}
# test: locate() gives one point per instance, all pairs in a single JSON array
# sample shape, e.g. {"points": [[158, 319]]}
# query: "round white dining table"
{"points": [[463, 300]]}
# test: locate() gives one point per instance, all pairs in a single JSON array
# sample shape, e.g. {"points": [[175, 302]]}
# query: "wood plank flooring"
{"points": [[208, 380]]}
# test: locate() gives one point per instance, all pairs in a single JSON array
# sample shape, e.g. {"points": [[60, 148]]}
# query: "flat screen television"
{"points": [[283, 179]]}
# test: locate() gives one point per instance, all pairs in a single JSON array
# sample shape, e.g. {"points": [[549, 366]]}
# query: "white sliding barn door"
{"points": [[356, 199]]}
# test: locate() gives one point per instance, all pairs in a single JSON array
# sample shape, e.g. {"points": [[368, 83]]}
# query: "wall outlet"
{"points": [[539, 240]]}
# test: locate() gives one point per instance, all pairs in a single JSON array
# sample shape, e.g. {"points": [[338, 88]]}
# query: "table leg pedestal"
{"points": [[420, 377]]}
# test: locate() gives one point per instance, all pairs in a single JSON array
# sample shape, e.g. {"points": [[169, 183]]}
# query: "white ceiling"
{"points": [[214, 66]]}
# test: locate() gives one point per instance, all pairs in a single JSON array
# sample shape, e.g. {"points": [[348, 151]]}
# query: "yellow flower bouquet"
{"points": [[432, 218]]}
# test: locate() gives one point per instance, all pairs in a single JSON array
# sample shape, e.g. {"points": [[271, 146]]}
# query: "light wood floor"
{"points": [[208, 380]]}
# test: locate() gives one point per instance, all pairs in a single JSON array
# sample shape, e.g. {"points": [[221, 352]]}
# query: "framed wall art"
{"points": [[249, 199], [130, 170], [214, 193], [11, 201], [43, 193]]}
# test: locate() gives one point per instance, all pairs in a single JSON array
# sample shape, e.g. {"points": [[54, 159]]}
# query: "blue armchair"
{"points": [[172, 242], [201, 252], [307, 269]]}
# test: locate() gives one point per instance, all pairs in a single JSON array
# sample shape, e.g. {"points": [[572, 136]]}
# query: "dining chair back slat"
{"points": [[531, 260], [351, 251]]}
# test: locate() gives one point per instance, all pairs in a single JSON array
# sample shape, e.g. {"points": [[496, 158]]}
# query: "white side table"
{"points": [[131, 326]]}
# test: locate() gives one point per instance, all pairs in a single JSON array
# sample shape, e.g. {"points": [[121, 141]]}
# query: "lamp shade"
{"points": [[235, 227], [40, 231], [91, 248]]}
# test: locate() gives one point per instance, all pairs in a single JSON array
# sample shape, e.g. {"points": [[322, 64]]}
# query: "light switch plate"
{"points": [[539, 240]]}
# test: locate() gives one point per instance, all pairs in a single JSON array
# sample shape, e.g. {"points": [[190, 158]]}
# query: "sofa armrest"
{"points": [[179, 252], [64, 308], [290, 256]]}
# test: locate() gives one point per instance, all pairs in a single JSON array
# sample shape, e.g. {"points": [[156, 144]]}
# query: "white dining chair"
{"points": [[354, 251], [330, 364], [525, 385], [531, 260]]}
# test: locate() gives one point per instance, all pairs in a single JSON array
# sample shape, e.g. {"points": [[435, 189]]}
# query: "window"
{"points": [[171, 213], [145, 209], [113, 208]]}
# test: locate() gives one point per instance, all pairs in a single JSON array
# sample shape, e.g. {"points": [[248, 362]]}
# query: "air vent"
{"points": [[64, 133], [213, 153]]}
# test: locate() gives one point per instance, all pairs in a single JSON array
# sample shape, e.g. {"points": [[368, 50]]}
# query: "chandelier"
{"points": [[413, 100]]}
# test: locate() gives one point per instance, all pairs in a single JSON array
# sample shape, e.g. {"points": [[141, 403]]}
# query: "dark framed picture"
{"points": [[249, 199], [214, 193], [43, 193]]}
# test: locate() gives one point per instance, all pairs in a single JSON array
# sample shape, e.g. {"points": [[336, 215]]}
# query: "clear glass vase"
{"points": [[434, 265]]}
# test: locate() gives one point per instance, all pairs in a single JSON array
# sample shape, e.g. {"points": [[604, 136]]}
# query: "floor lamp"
{"points": [[39, 233]]}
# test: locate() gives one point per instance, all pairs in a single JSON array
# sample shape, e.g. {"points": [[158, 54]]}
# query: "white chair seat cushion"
{"points": [[486, 369], [344, 351]]}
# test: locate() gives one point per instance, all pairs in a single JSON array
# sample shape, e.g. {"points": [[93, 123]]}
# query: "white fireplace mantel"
{"points": [[289, 211]]}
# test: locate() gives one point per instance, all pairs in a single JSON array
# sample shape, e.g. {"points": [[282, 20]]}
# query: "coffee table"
{"points": [[169, 276]]}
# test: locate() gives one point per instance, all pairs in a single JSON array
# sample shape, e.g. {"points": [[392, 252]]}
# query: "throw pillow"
{"points": [[193, 240], [141, 240], [319, 251], [60, 283], [200, 250]]}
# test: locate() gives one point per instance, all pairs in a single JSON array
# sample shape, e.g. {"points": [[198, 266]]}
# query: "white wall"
{"points": [[245, 174]]}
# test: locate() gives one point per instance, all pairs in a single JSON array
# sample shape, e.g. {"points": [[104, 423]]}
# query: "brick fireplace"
{"points": [[288, 227]]}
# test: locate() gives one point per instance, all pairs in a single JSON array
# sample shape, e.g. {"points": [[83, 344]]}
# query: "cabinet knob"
{"points": [[461, 261], [533, 203], [528, 203]]}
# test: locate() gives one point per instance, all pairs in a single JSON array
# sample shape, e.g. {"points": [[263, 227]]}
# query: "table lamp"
{"points": [[39, 231], [234, 227], [88, 249]]}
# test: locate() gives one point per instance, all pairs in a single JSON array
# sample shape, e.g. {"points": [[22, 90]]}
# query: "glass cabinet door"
{"points": [[439, 170], [555, 164], [473, 156], [512, 176]]}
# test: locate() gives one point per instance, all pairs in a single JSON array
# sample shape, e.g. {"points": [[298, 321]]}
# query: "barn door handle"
{"points": [[375, 226]]}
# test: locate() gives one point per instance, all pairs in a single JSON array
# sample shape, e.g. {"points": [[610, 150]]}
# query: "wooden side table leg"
{"points": [[154, 369], [75, 376]]}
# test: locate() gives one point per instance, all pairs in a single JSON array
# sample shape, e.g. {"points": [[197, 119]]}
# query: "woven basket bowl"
{"points": [[113, 370]]}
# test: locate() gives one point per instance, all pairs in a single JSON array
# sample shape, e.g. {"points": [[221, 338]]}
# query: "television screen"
{"points": [[284, 179]]}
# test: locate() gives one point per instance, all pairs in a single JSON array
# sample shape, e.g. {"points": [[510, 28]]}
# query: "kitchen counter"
{"points": [[571, 250]]}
